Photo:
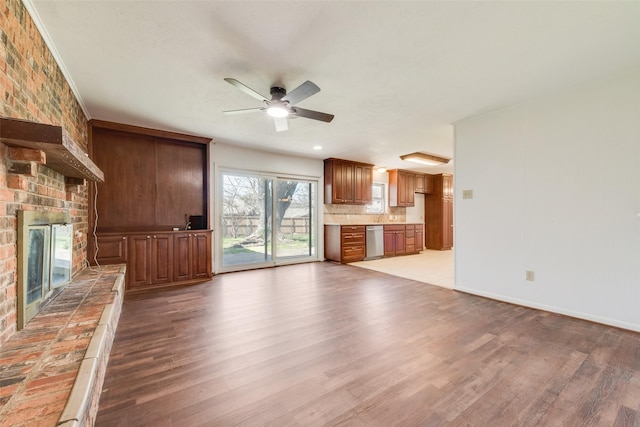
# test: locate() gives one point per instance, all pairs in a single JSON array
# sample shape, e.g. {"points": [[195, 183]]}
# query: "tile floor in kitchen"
{"points": [[429, 266]]}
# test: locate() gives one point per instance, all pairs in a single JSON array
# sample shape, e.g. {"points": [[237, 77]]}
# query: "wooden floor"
{"points": [[328, 344]]}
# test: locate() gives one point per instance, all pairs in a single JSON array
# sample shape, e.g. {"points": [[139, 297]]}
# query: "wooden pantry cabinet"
{"points": [[439, 213], [347, 182]]}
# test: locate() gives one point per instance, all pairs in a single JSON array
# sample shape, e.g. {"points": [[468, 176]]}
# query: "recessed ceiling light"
{"points": [[381, 169], [317, 147]]}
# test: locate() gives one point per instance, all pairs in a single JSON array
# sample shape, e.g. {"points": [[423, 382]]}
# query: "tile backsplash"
{"points": [[354, 214]]}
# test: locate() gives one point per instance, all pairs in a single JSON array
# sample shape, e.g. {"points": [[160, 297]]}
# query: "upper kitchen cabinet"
{"points": [[402, 188], [347, 182]]}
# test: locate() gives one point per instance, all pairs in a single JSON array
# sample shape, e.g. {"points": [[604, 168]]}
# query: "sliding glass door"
{"points": [[256, 232]]}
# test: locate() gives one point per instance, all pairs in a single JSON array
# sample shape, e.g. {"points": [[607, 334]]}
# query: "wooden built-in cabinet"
{"points": [[402, 188], [159, 258], [404, 184], [348, 243], [154, 182], [394, 240], [347, 182], [345, 243], [439, 213]]}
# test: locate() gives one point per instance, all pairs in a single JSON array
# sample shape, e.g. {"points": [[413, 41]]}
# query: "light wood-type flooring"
{"points": [[329, 344]]}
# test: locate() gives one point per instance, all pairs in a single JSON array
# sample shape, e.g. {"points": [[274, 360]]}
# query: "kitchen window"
{"points": [[377, 199]]}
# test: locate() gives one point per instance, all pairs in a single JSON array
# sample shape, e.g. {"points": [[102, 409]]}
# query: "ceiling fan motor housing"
{"points": [[277, 93]]}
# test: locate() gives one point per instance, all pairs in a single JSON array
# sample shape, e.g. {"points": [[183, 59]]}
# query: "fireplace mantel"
{"points": [[64, 155]]}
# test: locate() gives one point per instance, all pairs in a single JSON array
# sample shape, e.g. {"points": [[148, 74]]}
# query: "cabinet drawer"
{"points": [[352, 228], [353, 253], [349, 239]]}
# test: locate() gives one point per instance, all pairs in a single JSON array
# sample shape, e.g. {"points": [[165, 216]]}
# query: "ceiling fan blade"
{"points": [[301, 93], [246, 89], [244, 110], [310, 114], [281, 123]]}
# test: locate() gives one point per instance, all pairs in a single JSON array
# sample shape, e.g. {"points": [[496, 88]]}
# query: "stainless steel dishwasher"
{"points": [[375, 241]]}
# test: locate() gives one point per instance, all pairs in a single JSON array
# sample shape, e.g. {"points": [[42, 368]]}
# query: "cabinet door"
{"points": [[139, 265], [410, 189], [402, 189], [363, 183], [343, 182], [111, 250], [181, 257], [447, 224], [200, 255], [389, 243], [428, 184], [419, 184], [447, 186], [406, 189], [400, 241], [162, 258], [419, 238]]}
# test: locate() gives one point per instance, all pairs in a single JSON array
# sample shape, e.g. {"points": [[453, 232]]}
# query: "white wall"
{"points": [[415, 213], [224, 156], [556, 185]]}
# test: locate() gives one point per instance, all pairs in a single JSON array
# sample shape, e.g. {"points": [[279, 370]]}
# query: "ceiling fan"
{"points": [[281, 106]]}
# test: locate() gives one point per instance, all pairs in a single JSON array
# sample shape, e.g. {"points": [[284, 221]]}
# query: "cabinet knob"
{"points": [[124, 238], [148, 237], [154, 237]]}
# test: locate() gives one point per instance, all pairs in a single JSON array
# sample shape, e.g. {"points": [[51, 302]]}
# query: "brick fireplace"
{"points": [[32, 87]]}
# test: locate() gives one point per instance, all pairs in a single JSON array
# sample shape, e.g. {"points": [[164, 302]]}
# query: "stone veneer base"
{"points": [[52, 371]]}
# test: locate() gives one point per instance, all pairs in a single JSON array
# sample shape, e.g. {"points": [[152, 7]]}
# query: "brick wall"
{"points": [[32, 87]]}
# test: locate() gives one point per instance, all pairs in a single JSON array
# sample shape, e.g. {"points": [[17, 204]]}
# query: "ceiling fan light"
{"points": [[277, 111], [425, 159]]}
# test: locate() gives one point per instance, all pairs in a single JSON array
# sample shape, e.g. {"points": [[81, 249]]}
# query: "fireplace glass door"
{"points": [[38, 263], [61, 254]]}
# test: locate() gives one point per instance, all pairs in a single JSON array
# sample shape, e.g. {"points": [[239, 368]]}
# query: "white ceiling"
{"points": [[396, 74]]}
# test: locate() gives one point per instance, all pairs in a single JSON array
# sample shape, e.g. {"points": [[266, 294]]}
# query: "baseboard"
{"points": [[553, 309]]}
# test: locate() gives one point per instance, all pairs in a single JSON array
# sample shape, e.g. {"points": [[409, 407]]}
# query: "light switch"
{"points": [[467, 194]]}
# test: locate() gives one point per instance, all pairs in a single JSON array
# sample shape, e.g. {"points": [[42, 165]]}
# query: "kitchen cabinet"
{"points": [[394, 240], [347, 182], [344, 243], [428, 184], [402, 188], [419, 183], [419, 237], [424, 183], [410, 238], [158, 258], [439, 213], [362, 183]]}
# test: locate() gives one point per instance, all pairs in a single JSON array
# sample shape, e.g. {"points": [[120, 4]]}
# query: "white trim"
{"points": [[553, 309], [35, 17]]}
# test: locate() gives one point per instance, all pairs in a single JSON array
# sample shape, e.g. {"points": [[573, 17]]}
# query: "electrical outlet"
{"points": [[467, 194], [530, 276]]}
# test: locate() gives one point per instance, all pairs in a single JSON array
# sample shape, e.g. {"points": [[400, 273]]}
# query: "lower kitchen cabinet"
{"points": [[403, 239], [347, 243], [158, 258], [394, 240], [344, 243]]}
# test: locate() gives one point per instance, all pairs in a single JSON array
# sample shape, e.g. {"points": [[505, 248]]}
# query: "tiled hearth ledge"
{"points": [[52, 371]]}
